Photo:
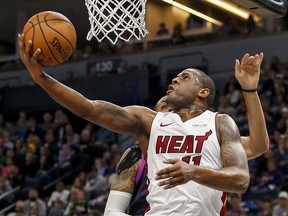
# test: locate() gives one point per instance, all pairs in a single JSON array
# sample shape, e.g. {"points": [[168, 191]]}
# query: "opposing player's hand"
{"points": [[248, 71], [29, 59], [179, 173]]}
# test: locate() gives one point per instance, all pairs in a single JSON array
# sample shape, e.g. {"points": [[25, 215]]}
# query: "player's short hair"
{"points": [[206, 82]]}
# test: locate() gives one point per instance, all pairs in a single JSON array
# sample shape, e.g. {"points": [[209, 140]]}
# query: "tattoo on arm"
{"points": [[231, 143], [126, 180], [114, 117], [111, 111]]}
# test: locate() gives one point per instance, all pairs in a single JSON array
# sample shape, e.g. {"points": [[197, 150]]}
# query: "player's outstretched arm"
{"points": [[248, 73], [233, 177], [121, 120]]}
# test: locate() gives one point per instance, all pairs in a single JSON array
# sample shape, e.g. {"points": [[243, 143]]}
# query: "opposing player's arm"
{"points": [[126, 172], [258, 141], [121, 120], [248, 74], [233, 177], [124, 184]]}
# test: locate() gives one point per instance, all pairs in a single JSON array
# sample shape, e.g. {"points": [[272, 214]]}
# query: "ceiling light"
{"points": [[194, 12], [230, 7]]}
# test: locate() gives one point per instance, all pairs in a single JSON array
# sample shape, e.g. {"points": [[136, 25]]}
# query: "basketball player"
{"points": [[130, 183], [191, 147]]}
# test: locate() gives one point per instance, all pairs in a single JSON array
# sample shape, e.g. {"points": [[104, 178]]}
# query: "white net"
{"points": [[116, 19]]}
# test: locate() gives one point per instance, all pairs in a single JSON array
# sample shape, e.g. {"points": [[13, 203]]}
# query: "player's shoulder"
{"points": [[222, 118], [226, 128]]}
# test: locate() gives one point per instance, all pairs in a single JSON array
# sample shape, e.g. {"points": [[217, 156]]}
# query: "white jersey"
{"points": [[195, 142]]}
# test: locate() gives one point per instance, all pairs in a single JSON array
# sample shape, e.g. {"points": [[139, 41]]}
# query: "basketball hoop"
{"points": [[116, 19]]}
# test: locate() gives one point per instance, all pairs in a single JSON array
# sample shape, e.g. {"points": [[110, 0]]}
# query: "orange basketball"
{"points": [[54, 34]]}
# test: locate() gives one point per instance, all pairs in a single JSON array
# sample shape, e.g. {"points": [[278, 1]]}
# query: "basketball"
{"points": [[54, 34]]}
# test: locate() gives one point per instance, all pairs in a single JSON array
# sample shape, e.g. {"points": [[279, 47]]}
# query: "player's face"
{"points": [[183, 89]]}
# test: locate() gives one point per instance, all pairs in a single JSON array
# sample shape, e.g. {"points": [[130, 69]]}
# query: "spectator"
{"points": [[80, 206], [194, 22], [11, 172], [64, 160], [106, 48], [34, 128], [93, 72], [85, 144], [19, 150], [10, 153], [8, 144], [33, 209], [15, 132], [91, 127], [61, 119], [69, 130], [235, 203], [77, 185], [282, 206], [122, 67], [42, 173], [225, 107], [231, 80], [50, 143], [58, 117], [281, 154], [28, 168], [251, 25], [59, 194], [101, 166], [95, 184], [57, 209], [34, 205], [3, 124], [22, 122], [233, 95], [5, 187], [71, 199], [83, 177], [271, 179], [47, 122], [88, 51], [99, 202], [19, 209], [177, 37], [162, 30], [265, 207], [33, 143], [44, 151]]}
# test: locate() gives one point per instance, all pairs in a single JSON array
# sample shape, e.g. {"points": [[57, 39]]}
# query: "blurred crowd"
{"points": [[79, 166]]}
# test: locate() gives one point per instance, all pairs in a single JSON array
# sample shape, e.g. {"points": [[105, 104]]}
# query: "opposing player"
{"points": [[131, 177], [203, 147]]}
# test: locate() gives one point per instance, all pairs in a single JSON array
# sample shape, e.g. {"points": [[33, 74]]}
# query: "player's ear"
{"points": [[204, 92]]}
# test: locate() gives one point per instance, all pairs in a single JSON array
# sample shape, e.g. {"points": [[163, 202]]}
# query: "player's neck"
{"points": [[186, 114]]}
